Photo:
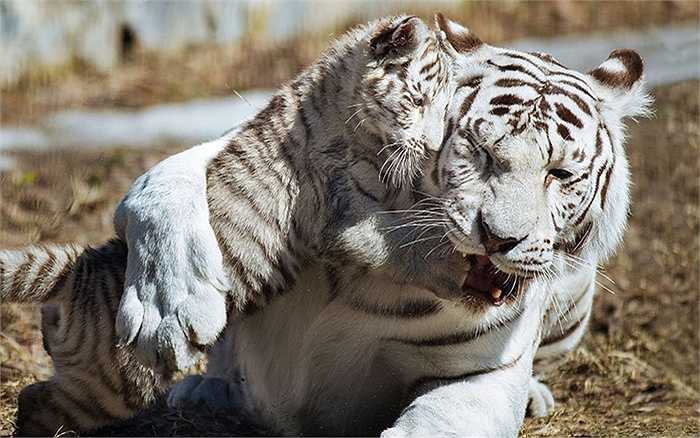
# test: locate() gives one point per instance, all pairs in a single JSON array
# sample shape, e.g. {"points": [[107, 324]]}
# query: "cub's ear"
{"points": [[619, 80], [395, 38], [460, 38]]}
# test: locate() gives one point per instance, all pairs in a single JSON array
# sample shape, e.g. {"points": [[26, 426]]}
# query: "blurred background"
{"points": [[94, 93]]}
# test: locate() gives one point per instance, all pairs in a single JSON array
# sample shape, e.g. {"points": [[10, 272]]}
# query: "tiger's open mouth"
{"points": [[486, 281]]}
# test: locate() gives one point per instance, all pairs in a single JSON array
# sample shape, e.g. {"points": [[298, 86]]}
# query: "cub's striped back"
{"points": [[96, 382], [338, 144]]}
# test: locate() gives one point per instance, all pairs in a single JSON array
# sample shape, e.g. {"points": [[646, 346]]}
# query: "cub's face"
{"points": [[533, 175], [405, 92]]}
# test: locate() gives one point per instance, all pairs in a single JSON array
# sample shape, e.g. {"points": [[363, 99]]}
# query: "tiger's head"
{"points": [[534, 176], [403, 95]]}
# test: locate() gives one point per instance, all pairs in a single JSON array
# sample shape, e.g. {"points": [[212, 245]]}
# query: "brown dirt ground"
{"points": [[636, 373]]}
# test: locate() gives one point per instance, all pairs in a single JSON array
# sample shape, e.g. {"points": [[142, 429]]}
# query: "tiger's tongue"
{"points": [[481, 279]]}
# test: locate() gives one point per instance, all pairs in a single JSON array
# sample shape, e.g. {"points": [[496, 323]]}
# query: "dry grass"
{"points": [[636, 374], [145, 78]]}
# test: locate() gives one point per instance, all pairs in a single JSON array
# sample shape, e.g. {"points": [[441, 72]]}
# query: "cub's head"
{"points": [[534, 173], [403, 95]]}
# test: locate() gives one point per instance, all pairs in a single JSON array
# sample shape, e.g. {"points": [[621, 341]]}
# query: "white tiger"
{"points": [[531, 186]]}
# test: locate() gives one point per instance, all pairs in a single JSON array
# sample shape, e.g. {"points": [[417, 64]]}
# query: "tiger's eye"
{"points": [[560, 173], [418, 101]]}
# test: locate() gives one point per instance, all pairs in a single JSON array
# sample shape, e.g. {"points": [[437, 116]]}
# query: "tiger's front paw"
{"points": [[541, 400], [174, 303]]}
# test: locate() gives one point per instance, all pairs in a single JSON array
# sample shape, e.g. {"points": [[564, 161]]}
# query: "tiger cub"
{"points": [[300, 181], [96, 381], [311, 176]]}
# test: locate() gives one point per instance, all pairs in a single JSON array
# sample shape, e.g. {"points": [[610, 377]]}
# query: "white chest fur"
{"points": [[313, 364]]}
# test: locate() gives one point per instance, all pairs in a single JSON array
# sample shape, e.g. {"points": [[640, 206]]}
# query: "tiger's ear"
{"points": [[619, 80], [397, 38], [460, 38]]}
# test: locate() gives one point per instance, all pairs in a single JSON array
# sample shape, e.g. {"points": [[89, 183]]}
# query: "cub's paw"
{"points": [[213, 392], [174, 302], [541, 400]]}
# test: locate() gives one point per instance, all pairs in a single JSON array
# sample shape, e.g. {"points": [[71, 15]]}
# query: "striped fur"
{"points": [[532, 176], [536, 177], [313, 173], [96, 381], [360, 343]]}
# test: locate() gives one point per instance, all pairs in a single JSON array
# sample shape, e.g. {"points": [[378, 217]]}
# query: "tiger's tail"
{"points": [[36, 274]]}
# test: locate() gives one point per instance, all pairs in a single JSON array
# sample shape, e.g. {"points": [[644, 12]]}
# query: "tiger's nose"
{"points": [[494, 243]]}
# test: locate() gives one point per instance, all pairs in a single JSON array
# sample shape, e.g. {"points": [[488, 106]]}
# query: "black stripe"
{"points": [[456, 338], [515, 68], [566, 115], [361, 190], [546, 57], [59, 408], [90, 407], [421, 381], [44, 270], [471, 82], [467, 103], [565, 334], [575, 98], [513, 82], [408, 309], [63, 276], [19, 277], [426, 68], [598, 150], [593, 196], [506, 100], [238, 270], [604, 189], [572, 76], [578, 87], [2, 277], [77, 275], [523, 57]]}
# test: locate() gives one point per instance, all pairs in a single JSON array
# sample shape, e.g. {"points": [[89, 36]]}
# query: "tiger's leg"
{"points": [[540, 399], [563, 331], [38, 413], [175, 282], [488, 405]]}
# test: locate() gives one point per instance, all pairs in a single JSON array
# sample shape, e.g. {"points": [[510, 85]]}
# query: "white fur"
{"points": [[541, 399], [175, 282], [310, 361]]}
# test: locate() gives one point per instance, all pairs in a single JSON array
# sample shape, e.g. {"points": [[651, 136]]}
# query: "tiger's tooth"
{"points": [[496, 293]]}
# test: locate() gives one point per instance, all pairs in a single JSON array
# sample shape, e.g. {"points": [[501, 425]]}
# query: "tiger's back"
{"points": [[96, 381]]}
